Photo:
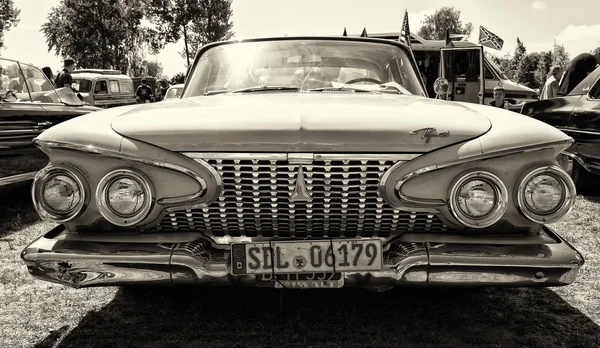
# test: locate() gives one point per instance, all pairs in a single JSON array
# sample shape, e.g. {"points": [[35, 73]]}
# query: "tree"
{"points": [[434, 26], [154, 69], [9, 17], [561, 57], [216, 26], [177, 78], [96, 33], [196, 21]]}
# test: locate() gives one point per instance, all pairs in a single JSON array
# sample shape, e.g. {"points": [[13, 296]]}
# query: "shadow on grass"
{"points": [[196, 317], [16, 210]]}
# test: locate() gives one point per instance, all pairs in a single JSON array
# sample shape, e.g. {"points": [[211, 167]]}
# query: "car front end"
{"points": [[324, 187]]}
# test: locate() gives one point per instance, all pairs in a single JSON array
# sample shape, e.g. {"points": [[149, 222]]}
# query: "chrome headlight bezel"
{"points": [[494, 215], [41, 206], [107, 211], [562, 209]]}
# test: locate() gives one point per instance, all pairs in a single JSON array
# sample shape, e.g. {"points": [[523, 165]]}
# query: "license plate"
{"points": [[301, 280], [323, 256]]}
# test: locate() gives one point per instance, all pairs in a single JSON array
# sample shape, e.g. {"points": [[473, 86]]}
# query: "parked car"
{"points": [[174, 91], [29, 106], [104, 88], [578, 115], [305, 162]]}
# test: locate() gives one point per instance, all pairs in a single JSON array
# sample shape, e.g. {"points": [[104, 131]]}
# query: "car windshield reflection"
{"points": [[304, 65]]}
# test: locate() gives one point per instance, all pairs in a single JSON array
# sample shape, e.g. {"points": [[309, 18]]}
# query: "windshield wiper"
{"points": [[253, 89], [383, 88]]}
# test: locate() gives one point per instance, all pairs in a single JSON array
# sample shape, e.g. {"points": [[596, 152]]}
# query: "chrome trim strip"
{"points": [[562, 209], [435, 203], [118, 155], [104, 207], [36, 195], [562, 129], [494, 215], [286, 156], [18, 178]]}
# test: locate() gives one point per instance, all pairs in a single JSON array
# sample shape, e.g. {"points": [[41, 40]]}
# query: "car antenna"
{"points": [[364, 33], [345, 33]]}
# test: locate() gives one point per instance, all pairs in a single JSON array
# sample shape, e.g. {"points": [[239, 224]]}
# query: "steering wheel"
{"points": [[364, 79]]}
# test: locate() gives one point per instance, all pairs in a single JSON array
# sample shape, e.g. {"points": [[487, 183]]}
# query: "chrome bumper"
{"points": [[74, 261]]}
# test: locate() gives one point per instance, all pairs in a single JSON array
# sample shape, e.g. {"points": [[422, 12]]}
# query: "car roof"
{"points": [[307, 37], [93, 76]]}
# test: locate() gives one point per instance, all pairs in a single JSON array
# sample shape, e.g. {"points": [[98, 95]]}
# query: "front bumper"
{"points": [[80, 261]]}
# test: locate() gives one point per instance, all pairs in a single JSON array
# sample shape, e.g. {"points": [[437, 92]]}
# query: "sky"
{"points": [[574, 23]]}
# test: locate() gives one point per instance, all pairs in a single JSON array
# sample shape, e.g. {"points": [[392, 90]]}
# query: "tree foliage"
{"points": [[434, 26], [96, 33], [197, 22], [9, 17], [177, 78], [530, 69]]}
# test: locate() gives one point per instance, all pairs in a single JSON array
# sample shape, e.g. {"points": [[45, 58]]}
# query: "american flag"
{"points": [[489, 39], [405, 32]]}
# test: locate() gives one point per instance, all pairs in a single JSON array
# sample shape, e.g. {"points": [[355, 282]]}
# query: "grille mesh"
{"points": [[255, 202]]}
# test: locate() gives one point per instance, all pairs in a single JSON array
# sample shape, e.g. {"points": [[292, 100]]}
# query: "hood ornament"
{"points": [[429, 133], [300, 193]]}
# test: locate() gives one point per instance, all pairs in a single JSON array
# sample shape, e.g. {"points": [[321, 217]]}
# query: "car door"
{"points": [[463, 67], [584, 126]]}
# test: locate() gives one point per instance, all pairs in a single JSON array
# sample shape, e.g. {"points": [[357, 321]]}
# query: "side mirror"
{"points": [[441, 87]]}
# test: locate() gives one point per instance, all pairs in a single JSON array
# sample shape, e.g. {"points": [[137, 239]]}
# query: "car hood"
{"points": [[302, 122]]}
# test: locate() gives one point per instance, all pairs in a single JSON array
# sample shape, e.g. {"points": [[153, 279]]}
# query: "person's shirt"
{"points": [[144, 92], [503, 105], [550, 88], [63, 79]]}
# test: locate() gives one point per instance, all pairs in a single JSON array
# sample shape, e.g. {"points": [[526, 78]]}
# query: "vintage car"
{"points": [[29, 106], [304, 162], [578, 115]]}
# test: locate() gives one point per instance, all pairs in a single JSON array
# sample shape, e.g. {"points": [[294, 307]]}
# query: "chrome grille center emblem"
{"points": [[300, 193]]}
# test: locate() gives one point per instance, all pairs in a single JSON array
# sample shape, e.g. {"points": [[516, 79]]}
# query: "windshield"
{"points": [[586, 84], [28, 83], [496, 68], [173, 92], [303, 64]]}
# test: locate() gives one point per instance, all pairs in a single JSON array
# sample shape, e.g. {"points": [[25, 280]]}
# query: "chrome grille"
{"points": [[255, 202]]}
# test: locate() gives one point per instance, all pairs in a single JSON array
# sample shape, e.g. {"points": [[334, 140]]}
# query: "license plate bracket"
{"points": [[301, 280], [307, 256]]}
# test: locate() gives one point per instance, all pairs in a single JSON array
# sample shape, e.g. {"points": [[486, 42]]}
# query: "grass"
{"points": [[40, 314]]}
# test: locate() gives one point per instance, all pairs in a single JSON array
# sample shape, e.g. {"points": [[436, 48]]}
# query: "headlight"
{"points": [[124, 197], [478, 199], [59, 193], [546, 194]]}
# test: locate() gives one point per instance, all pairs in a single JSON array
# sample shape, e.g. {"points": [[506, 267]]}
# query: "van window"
{"points": [[487, 74], [83, 85], [101, 87], [126, 86], [114, 87]]}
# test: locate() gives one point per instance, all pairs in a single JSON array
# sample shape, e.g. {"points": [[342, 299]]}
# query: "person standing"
{"points": [[579, 68], [550, 89], [64, 78], [144, 93]]}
